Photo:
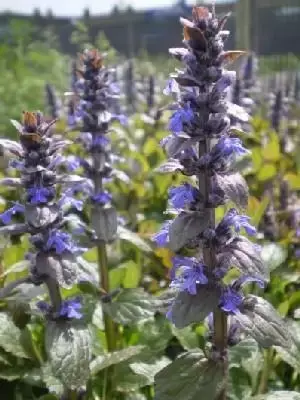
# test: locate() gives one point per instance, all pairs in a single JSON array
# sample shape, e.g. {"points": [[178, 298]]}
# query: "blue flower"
{"points": [[71, 309], [162, 237], [73, 163], [232, 218], [39, 195], [172, 87], [59, 241], [101, 141], [16, 164], [179, 261], [227, 147], [102, 198], [225, 81], [6, 215], [121, 118], [182, 195], [180, 117], [68, 199], [230, 300], [191, 274]]}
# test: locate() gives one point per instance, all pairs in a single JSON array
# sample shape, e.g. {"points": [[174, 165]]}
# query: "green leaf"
{"points": [[132, 276], [48, 397], [279, 395], [239, 385], [155, 334], [28, 341], [106, 360], [127, 275], [52, 383], [134, 238], [13, 373], [292, 355], [243, 350], [189, 377], [149, 369], [293, 181], [10, 337], [273, 255], [186, 337], [268, 171], [271, 151], [131, 306], [68, 349], [258, 210], [126, 380]]}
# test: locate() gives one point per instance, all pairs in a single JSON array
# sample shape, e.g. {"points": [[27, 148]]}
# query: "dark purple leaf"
{"points": [[260, 320], [186, 227], [234, 187]]}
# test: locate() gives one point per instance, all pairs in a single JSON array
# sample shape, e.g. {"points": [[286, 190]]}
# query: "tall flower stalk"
{"points": [[53, 250], [201, 147], [97, 94], [46, 199]]}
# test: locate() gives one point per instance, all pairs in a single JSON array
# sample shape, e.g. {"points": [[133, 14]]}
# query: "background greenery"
{"points": [[146, 341]]}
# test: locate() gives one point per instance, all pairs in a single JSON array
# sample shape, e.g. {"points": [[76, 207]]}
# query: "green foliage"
{"points": [[196, 377], [68, 350], [43, 361]]}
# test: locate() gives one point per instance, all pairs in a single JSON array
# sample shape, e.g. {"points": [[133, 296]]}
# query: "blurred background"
{"points": [[38, 39]]}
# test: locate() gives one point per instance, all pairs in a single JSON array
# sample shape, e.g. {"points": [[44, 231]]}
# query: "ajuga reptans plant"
{"points": [[97, 93], [201, 147], [46, 199]]}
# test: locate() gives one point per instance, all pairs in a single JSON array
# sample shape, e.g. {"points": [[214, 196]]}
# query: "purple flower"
{"points": [[121, 118], [230, 300], [73, 163], [227, 147], [71, 309], [59, 241], [6, 215], [172, 87], [179, 261], [232, 218], [44, 307], [101, 141], [191, 274], [102, 198], [162, 237], [115, 88], [39, 195], [181, 116], [182, 195], [16, 164], [225, 81], [68, 199]]}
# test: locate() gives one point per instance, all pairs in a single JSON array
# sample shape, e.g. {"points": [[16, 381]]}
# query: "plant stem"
{"points": [[267, 367], [220, 343], [209, 258], [104, 279], [54, 294]]}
